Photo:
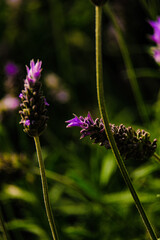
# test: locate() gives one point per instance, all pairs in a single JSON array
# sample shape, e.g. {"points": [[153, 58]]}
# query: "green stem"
{"points": [[4, 231], [157, 157], [129, 67], [104, 115], [45, 190]]}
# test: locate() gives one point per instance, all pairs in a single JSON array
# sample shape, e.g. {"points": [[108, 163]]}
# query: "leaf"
{"points": [[144, 171], [73, 231], [29, 226], [87, 187], [15, 192], [108, 168], [125, 197]]}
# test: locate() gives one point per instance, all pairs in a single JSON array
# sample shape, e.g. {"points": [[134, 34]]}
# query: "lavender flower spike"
{"points": [[131, 144], [33, 104]]}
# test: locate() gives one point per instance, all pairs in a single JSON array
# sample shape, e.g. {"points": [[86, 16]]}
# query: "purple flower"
{"points": [[34, 73], [94, 129], [155, 51], [11, 69], [45, 102], [131, 144], [27, 123], [21, 95], [156, 27], [33, 104], [80, 122]]}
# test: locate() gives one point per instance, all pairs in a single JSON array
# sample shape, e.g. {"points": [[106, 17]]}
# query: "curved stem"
{"points": [[45, 190], [104, 115]]}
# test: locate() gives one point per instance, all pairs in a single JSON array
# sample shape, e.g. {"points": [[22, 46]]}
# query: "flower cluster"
{"points": [[156, 38], [131, 144], [33, 104]]}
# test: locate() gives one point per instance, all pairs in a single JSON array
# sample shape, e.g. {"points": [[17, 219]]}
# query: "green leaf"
{"points": [[125, 197], [29, 226], [15, 192], [108, 168], [86, 186], [144, 171]]}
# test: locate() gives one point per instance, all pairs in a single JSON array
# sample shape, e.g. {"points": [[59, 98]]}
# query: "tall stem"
{"points": [[129, 67], [45, 190], [104, 116]]}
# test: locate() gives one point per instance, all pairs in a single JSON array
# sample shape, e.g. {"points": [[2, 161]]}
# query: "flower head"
{"points": [[33, 104], [131, 144]]}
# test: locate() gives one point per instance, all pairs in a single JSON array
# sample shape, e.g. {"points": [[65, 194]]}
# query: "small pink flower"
{"points": [[156, 54]]}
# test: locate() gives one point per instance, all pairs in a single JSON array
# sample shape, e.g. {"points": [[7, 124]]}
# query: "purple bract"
{"points": [[80, 122], [34, 73], [27, 123]]}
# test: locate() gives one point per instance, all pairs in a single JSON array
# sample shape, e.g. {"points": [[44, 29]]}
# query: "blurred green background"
{"points": [[88, 195]]}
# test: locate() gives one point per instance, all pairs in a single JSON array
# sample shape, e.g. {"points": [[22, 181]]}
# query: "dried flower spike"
{"points": [[131, 144], [33, 104]]}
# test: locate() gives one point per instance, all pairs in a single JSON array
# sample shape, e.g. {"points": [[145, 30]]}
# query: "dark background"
{"points": [[88, 195]]}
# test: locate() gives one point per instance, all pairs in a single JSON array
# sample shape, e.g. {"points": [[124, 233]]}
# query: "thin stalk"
{"points": [[129, 67], [104, 116], [45, 190], [157, 157], [3, 228]]}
